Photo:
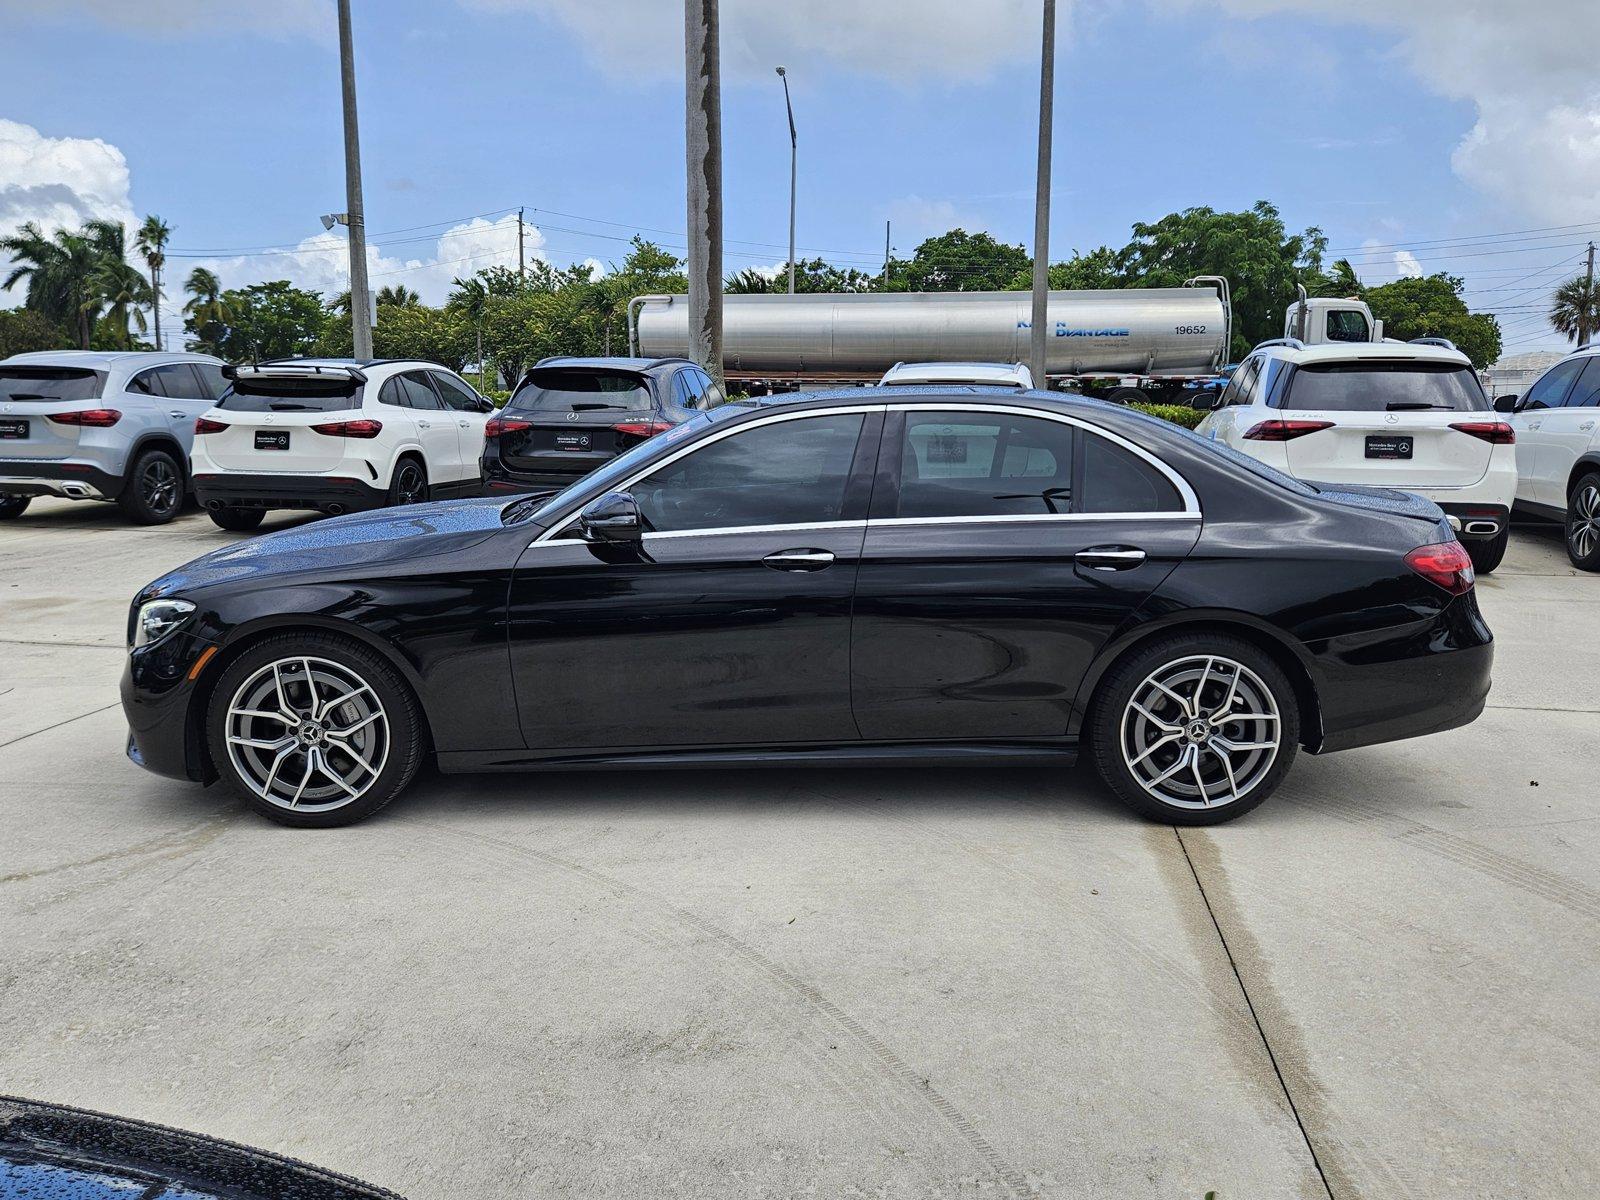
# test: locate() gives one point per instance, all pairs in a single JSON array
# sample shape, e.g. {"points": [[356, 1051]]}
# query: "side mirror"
{"points": [[613, 517], [485, 405], [1506, 404]]}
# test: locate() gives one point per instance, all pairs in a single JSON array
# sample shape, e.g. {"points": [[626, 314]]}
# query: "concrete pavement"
{"points": [[1384, 983]]}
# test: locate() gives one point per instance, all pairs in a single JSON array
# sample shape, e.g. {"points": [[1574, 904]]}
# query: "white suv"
{"points": [[337, 435], [1406, 415], [1558, 451]]}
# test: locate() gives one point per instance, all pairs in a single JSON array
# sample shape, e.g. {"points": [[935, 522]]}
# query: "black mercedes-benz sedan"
{"points": [[954, 574]]}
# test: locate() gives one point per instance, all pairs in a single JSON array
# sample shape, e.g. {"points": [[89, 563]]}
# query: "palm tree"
{"points": [[1575, 311], [59, 271], [205, 308], [115, 283], [151, 242], [748, 282], [398, 296]]}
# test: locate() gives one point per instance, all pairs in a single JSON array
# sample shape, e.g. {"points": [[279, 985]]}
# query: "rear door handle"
{"points": [[424, 425], [1586, 426], [176, 412], [1109, 558], [799, 560]]}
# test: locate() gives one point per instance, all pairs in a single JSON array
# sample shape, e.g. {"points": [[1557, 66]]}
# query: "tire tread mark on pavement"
{"points": [[895, 1067], [183, 839], [65, 721]]}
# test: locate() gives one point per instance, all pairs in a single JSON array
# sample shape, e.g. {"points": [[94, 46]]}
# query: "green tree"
{"points": [[151, 242], [205, 314], [1261, 260], [59, 271], [395, 296], [1097, 270], [959, 261], [1431, 306], [810, 275], [441, 335], [1575, 309], [269, 320], [519, 330], [22, 330]]}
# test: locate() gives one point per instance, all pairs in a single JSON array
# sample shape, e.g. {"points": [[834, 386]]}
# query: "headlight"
{"points": [[157, 618]]}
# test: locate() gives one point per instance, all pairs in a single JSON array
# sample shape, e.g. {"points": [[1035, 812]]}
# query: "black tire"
{"points": [[12, 507], [400, 737], [1583, 523], [1487, 553], [1127, 395], [1111, 719], [409, 484], [240, 520], [152, 491]]}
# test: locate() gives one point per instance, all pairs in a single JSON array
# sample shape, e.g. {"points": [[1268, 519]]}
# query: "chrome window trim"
{"points": [[1191, 502]]}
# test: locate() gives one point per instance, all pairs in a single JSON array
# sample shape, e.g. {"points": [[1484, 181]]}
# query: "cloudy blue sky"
{"points": [[1459, 135]]}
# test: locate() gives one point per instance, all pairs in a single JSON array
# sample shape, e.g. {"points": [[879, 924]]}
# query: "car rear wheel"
{"points": [[314, 730], [240, 520], [1195, 729], [153, 493], [1487, 553], [12, 507], [1583, 523], [410, 483]]}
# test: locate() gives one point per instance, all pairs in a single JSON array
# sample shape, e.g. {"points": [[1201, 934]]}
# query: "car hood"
{"points": [[348, 543]]}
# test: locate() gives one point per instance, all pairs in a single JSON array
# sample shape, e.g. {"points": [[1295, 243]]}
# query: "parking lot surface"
{"points": [[1383, 983]]}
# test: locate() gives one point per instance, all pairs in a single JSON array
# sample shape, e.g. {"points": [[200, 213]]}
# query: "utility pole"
{"points": [[794, 153], [1584, 332], [886, 256], [522, 261], [1041, 216], [702, 95], [360, 297]]}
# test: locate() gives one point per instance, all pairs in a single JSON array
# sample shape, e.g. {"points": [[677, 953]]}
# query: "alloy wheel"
{"points": [[160, 485], [1201, 732], [408, 483], [307, 734], [1583, 525]]}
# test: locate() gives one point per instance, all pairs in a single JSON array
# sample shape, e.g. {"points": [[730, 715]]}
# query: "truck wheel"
{"points": [[12, 507], [1127, 395]]}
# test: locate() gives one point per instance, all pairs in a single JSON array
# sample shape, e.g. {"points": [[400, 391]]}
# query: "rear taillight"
{"points": [[206, 425], [642, 429], [1284, 431], [1444, 563], [362, 428], [1497, 433], [501, 424], [94, 418]]}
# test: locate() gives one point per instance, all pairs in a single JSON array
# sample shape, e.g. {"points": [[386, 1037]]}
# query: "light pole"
{"points": [[794, 154], [1041, 217], [702, 96], [360, 314]]}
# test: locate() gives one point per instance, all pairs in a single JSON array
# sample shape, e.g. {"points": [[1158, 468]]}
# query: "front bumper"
{"points": [[157, 696], [1402, 684], [324, 493], [65, 478]]}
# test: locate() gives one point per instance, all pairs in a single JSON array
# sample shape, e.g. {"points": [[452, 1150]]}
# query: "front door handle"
{"points": [[799, 560], [1109, 558]]}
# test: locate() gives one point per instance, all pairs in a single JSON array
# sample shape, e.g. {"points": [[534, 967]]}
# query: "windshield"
{"points": [[50, 383], [1384, 386], [292, 393], [601, 480], [565, 389]]}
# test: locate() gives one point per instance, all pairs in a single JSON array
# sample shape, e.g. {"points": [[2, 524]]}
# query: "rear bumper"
{"points": [[1476, 520], [325, 493], [1405, 683], [499, 480], [65, 478]]}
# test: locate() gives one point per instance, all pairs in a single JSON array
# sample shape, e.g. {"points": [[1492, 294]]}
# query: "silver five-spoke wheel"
{"points": [[1583, 526], [307, 734], [1200, 732]]}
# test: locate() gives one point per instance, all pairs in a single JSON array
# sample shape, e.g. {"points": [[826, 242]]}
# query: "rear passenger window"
{"points": [[1116, 480], [1241, 388], [180, 382], [976, 464], [418, 394], [455, 394], [212, 379], [147, 383], [1586, 392]]}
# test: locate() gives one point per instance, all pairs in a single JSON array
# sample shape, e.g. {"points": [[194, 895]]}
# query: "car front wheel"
{"points": [[1195, 729], [314, 730], [1583, 523]]}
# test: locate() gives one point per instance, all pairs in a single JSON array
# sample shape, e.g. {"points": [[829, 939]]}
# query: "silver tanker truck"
{"points": [[1139, 343]]}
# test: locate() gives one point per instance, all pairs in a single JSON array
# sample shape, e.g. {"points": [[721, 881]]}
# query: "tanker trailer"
{"points": [[1101, 342]]}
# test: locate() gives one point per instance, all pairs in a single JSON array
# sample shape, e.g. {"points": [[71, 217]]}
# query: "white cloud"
{"points": [[913, 40], [58, 182], [182, 18], [1406, 265], [913, 218], [1528, 68]]}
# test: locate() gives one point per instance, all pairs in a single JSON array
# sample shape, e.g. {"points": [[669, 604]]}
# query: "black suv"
{"points": [[570, 415]]}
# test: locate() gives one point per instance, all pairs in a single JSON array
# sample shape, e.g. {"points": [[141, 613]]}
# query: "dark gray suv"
{"points": [[569, 415]]}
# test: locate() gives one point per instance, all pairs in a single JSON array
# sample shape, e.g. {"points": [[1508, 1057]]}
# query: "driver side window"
{"points": [[786, 473]]}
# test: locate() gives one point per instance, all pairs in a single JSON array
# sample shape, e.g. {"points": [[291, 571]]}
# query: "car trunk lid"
{"points": [[568, 420], [271, 414], [31, 395]]}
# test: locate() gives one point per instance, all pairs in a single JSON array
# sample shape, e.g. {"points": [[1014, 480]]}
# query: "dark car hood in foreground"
{"points": [[355, 541]]}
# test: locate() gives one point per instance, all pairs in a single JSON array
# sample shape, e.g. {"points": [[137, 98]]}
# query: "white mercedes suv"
{"points": [[336, 435], [1558, 451], [1404, 415]]}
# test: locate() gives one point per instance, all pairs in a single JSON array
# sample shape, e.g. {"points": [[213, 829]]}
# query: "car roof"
{"points": [[105, 359], [617, 362], [1389, 351]]}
